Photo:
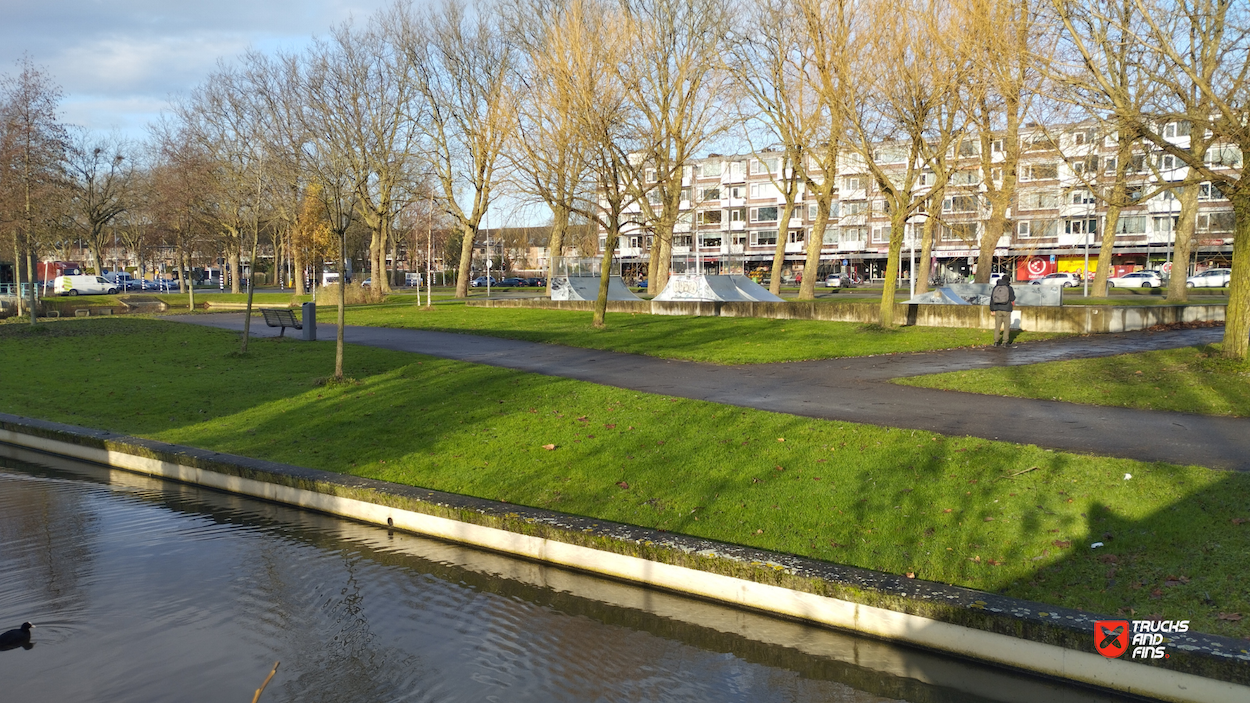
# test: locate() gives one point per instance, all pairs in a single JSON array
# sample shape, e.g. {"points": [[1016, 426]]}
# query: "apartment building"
{"points": [[731, 204]]}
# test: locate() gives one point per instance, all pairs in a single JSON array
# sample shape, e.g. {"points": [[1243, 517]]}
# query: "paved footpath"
{"points": [[855, 389]]}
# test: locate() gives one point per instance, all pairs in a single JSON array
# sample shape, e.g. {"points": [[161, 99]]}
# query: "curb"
{"points": [[1033, 637]]}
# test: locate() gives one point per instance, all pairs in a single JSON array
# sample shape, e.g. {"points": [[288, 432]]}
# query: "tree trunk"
{"points": [[555, 243], [605, 275], [926, 241], [468, 233], [1178, 292], [1237, 317], [779, 252], [342, 317], [815, 241], [297, 259], [663, 266], [1110, 224], [994, 228], [235, 265], [898, 225], [30, 277], [17, 273]]}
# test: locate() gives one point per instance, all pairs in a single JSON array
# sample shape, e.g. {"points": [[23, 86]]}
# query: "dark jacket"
{"points": [[995, 307]]}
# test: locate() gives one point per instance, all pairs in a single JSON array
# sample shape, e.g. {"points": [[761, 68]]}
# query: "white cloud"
{"points": [[119, 60]]}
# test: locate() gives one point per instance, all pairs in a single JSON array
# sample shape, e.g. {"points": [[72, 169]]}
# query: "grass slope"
{"points": [[721, 340], [989, 515], [1191, 380]]}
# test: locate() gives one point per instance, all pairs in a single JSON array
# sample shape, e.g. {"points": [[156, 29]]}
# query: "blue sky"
{"points": [[119, 61]]}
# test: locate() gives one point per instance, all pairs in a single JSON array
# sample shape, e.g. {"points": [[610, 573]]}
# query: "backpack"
{"points": [[1001, 295]]}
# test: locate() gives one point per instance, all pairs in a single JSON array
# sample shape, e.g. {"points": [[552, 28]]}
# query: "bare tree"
{"points": [[461, 63], [100, 176], [676, 82], [1005, 41], [547, 150], [34, 147], [908, 69]]}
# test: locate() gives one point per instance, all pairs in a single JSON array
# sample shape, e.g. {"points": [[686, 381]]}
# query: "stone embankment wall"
{"points": [[1072, 319]]}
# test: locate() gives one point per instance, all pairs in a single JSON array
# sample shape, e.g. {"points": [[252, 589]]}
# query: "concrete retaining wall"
{"points": [[1073, 319], [1041, 639]]}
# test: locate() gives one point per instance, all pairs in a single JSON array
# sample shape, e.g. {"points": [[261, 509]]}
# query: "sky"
{"points": [[119, 61]]}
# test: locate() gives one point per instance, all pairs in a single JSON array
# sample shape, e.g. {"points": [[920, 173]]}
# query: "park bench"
{"points": [[275, 317]]}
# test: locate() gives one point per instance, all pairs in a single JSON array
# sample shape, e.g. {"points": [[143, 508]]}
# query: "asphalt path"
{"points": [[856, 389]]}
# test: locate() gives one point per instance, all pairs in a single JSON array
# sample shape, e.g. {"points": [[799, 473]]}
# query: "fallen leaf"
{"points": [[995, 562], [759, 532], [835, 545], [778, 468], [549, 447], [582, 418], [1240, 520], [622, 484], [1062, 543], [1230, 617], [946, 510], [660, 442], [781, 439], [977, 559], [609, 427], [989, 519], [1108, 559], [910, 574], [1156, 593], [755, 480], [533, 410]]}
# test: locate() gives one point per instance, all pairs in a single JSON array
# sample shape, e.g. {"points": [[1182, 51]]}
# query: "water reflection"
{"points": [[150, 591]]}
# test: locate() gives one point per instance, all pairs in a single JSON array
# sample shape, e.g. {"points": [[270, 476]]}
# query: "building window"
{"points": [[960, 203], [1130, 225], [706, 194], [853, 182], [831, 235], [764, 214], [735, 170], [651, 175], [1039, 172], [1081, 226], [852, 235], [1215, 222], [996, 146], [1081, 196], [1209, 191], [1084, 136], [763, 239], [1089, 164], [996, 174], [855, 208], [738, 239], [708, 217], [811, 212], [735, 215], [710, 169], [1225, 156], [711, 240], [763, 166], [965, 177], [1023, 228], [796, 236], [881, 234]]}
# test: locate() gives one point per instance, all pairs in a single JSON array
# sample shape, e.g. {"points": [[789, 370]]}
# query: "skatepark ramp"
{"points": [[719, 289], [587, 288]]}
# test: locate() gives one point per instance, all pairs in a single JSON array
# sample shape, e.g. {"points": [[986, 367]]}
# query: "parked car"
{"points": [[83, 285], [511, 282], [480, 281], [536, 282], [1137, 279], [838, 280], [123, 281], [1067, 280], [1211, 278]]}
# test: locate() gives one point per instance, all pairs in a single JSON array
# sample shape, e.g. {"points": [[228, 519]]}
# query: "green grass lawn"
{"points": [[1191, 380], [721, 340], [989, 515]]}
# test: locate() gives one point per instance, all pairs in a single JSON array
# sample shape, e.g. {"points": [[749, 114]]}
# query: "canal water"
{"points": [[145, 590]]}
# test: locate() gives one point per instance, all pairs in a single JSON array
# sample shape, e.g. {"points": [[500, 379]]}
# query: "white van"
{"points": [[83, 285]]}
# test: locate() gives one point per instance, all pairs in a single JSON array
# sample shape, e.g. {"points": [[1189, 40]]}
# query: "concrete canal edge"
{"points": [[1069, 319], [1032, 637]]}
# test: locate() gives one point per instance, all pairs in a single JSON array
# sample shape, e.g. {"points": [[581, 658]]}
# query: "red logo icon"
{"points": [[1111, 637]]}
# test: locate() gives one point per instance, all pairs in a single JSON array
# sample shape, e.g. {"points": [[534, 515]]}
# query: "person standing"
{"points": [[1002, 301]]}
